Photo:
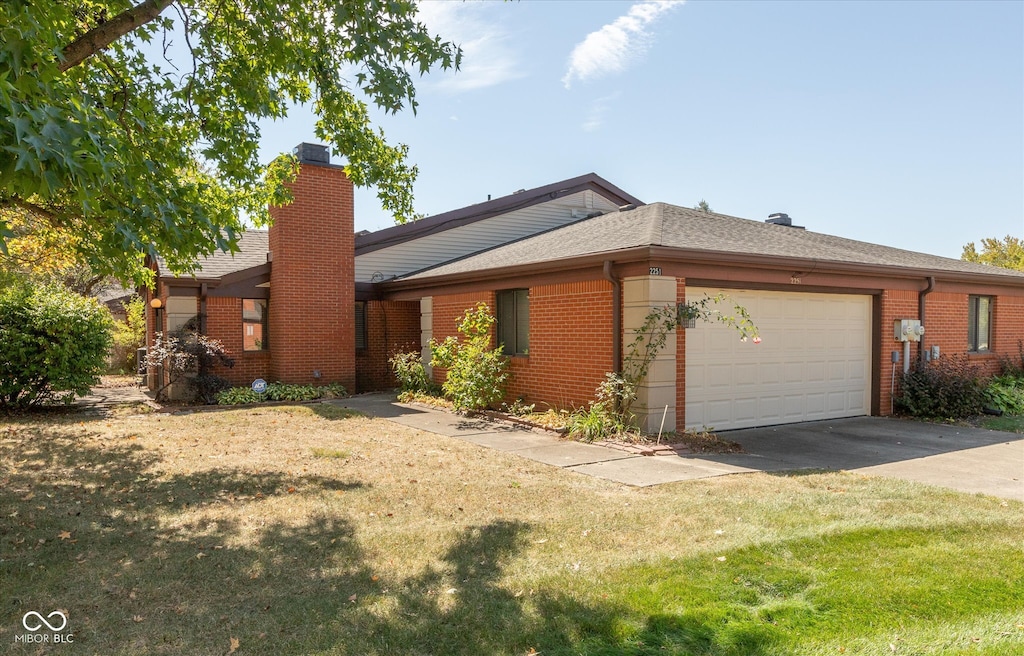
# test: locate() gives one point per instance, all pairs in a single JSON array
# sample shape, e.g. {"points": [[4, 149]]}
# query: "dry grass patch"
{"points": [[310, 529]]}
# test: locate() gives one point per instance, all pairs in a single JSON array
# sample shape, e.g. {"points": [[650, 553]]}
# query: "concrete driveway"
{"points": [[967, 459]]}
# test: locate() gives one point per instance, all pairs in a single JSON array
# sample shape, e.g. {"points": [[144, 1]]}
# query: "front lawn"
{"points": [[304, 530]]}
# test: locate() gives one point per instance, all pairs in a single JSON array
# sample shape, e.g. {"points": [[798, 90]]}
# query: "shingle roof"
{"points": [[660, 224], [253, 246]]}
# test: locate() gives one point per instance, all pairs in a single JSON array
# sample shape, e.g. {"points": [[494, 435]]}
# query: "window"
{"points": [[360, 324], [979, 323], [254, 324], [514, 321]]}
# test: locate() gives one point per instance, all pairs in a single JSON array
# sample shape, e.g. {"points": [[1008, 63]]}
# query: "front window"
{"points": [[514, 321], [979, 323], [254, 324]]}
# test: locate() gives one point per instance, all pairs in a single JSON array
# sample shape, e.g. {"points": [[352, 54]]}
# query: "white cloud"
{"points": [[614, 46], [488, 58]]}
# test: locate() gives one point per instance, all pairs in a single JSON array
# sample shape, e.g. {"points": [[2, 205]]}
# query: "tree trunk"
{"points": [[103, 35]]}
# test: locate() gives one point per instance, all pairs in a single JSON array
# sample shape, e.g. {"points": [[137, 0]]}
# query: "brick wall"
{"points": [[391, 327], [570, 344], [896, 304], [224, 323], [946, 325], [570, 341], [1008, 326], [312, 280]]}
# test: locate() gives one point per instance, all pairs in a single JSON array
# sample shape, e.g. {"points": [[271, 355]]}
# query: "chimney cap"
{"points": [[313, 153]]}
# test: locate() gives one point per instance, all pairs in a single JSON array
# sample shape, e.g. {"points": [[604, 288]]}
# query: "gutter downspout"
{"points": [[616, 315], [920, 314]]}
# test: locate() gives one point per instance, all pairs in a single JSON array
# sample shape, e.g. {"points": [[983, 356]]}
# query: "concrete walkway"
{"points": [[971, 460]]}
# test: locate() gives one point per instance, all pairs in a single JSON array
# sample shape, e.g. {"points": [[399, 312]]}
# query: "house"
{"points": [[571, 270]]}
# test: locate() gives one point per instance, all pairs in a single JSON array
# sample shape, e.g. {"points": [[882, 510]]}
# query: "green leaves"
{"points": [[476, 372], [146, 156], [53, 345]]}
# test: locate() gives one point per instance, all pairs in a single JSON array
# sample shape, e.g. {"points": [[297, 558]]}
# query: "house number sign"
{"points": [[655, 271]]}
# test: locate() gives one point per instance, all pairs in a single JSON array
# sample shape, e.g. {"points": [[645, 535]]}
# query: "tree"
{"points": [[703, 206], [1007, 253], [136, 153]]}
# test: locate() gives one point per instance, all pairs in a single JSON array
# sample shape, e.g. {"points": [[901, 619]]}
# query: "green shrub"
{"points": [[53, 345], [948, 388], [476, 372], [1005, 393], [412, 377], [281, 392]]}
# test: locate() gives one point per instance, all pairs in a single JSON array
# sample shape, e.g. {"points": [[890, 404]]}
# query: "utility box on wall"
{"points": [[908, 330]]}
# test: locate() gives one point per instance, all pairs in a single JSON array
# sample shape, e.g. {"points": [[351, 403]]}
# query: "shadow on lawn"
{"points": [[144, 563]]}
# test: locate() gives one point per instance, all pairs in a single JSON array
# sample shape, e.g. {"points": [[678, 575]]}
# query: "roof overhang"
{"points": [[253, 282]]}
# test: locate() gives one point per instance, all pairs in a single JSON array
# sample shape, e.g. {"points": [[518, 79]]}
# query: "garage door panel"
{"points": [[813, 362], [745, 374]]}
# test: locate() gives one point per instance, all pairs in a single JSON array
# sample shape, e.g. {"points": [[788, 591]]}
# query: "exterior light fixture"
{"points": [[156, 304]]}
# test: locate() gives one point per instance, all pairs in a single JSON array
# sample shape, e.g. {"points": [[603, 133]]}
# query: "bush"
{"points": [[1005, 393], [412, 377], [609, 415], [281, 392], [476, 372], [1013, 367], [948, 388], [53, 345]]}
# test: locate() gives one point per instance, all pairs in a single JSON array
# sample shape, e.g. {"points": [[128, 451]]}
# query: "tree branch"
{"points": [[103, 35]]}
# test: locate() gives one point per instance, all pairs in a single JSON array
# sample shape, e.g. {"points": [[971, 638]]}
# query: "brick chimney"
{"points": [[312, 276]]}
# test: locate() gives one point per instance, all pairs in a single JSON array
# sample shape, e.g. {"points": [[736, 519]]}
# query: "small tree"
{"points": [[53, 345], [187, 357], [129, 335], [476, 372]]}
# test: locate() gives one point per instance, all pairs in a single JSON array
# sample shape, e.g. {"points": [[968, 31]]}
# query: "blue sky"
{"points": [[900, 123]]}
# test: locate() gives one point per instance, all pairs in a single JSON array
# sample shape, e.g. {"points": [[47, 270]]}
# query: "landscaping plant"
{"points": [[948, 388], [129, 335], [281, 392], [187, 357], [53, 345], [476, 371], [412, 377]]}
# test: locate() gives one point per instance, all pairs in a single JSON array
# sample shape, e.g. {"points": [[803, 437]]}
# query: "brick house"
{"points": [[571, 270]]}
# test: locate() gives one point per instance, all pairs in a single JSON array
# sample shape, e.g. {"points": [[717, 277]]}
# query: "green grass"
{"points": [[1005, 423], [176, 534]]}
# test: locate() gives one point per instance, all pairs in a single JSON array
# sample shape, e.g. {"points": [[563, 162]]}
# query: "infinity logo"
{"points": [[42, 621]]}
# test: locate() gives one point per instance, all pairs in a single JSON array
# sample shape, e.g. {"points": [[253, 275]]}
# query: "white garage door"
{"points": [[813, 362]]}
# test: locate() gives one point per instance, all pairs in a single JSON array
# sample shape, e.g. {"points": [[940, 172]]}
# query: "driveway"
{"points": [[966, 459]]}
